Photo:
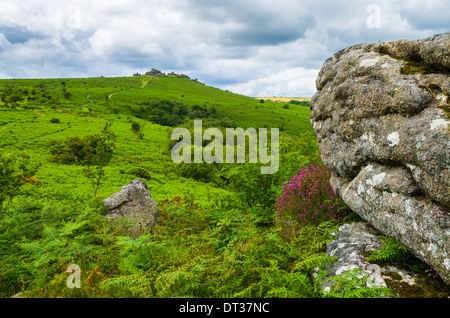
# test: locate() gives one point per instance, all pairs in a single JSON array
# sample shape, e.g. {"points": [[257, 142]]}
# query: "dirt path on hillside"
{"points": [[144, 83], [111, 95]]}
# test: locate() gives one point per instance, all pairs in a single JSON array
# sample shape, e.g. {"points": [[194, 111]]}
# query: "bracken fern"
{"points": [[390, 251], [353, 284]]}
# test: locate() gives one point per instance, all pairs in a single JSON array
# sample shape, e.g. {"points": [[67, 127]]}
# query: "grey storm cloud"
{"points": [[18, 34], [427, 15], [252, 47], [257, 22]]}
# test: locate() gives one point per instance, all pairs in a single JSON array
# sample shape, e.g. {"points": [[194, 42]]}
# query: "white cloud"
{"points": [[294, 82]]}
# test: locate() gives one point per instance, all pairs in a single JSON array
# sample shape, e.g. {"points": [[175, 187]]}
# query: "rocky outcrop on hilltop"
{"points": [[381, 117], [154, 72], [157, 73]]}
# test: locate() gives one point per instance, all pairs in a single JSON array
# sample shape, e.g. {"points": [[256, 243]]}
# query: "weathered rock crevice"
{"points": [[382, 122]]}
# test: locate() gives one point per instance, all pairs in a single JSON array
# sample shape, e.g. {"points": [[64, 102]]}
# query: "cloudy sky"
{"points": [[254, 47]]}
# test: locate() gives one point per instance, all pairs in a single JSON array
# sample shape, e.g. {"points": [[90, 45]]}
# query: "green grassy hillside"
{"points": [[84, 105]]}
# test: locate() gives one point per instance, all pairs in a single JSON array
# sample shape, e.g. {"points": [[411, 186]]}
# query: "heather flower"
{"points": [[308, 199]]}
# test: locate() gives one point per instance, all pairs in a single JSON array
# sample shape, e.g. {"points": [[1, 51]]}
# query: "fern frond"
{"points": [[390, 251], [303, 285], [181, 281], [136, 285], [49, 234], [128, 242], [33, 249], [40, 255], [354, 284], [281, 292], [315, 261], [246, 292], [70, 227]]}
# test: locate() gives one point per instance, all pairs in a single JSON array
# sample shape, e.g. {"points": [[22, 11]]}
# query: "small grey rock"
{"points": [[134, 202]]}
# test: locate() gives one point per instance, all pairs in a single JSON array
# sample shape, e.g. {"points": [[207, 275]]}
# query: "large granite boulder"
{"points": [[381, 117], [134, 202]]}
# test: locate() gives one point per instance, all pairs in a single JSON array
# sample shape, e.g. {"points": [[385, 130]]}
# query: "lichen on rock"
{"points": [[385, 133], [352, 246]]}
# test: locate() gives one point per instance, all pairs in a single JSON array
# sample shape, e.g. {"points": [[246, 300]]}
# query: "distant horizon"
{"points": [[251, 47], [125, 76]]}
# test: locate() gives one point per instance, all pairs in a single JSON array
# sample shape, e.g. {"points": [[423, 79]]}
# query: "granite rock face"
{"points": [[354, 242], [381, 117], [134, 202]]}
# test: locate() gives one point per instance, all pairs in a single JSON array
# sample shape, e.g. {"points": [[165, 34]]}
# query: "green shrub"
{"points": [[16, 98], [170, 113], [55, 121], [15, 171], [69, 151], [301, 103], [99, 151], [253, 188], [75, 150], [204, 172], [138, 129], [255, 192], [67, 95], [139, 172]]}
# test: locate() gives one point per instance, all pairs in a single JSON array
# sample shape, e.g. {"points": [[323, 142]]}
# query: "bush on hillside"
{"points": [[138, 129], [75, 150], [139, 172], [254, 188], [204, 172], [301, 103], [170, 113], [69, 151], [15, 171], [99, 151], [15, 98]]}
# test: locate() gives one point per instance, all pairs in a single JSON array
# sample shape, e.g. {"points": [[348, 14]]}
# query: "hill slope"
{"points": [[84, 105]]}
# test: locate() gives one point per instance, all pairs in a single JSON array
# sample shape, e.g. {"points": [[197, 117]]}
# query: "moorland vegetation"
{"points": [[226, 229]]}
